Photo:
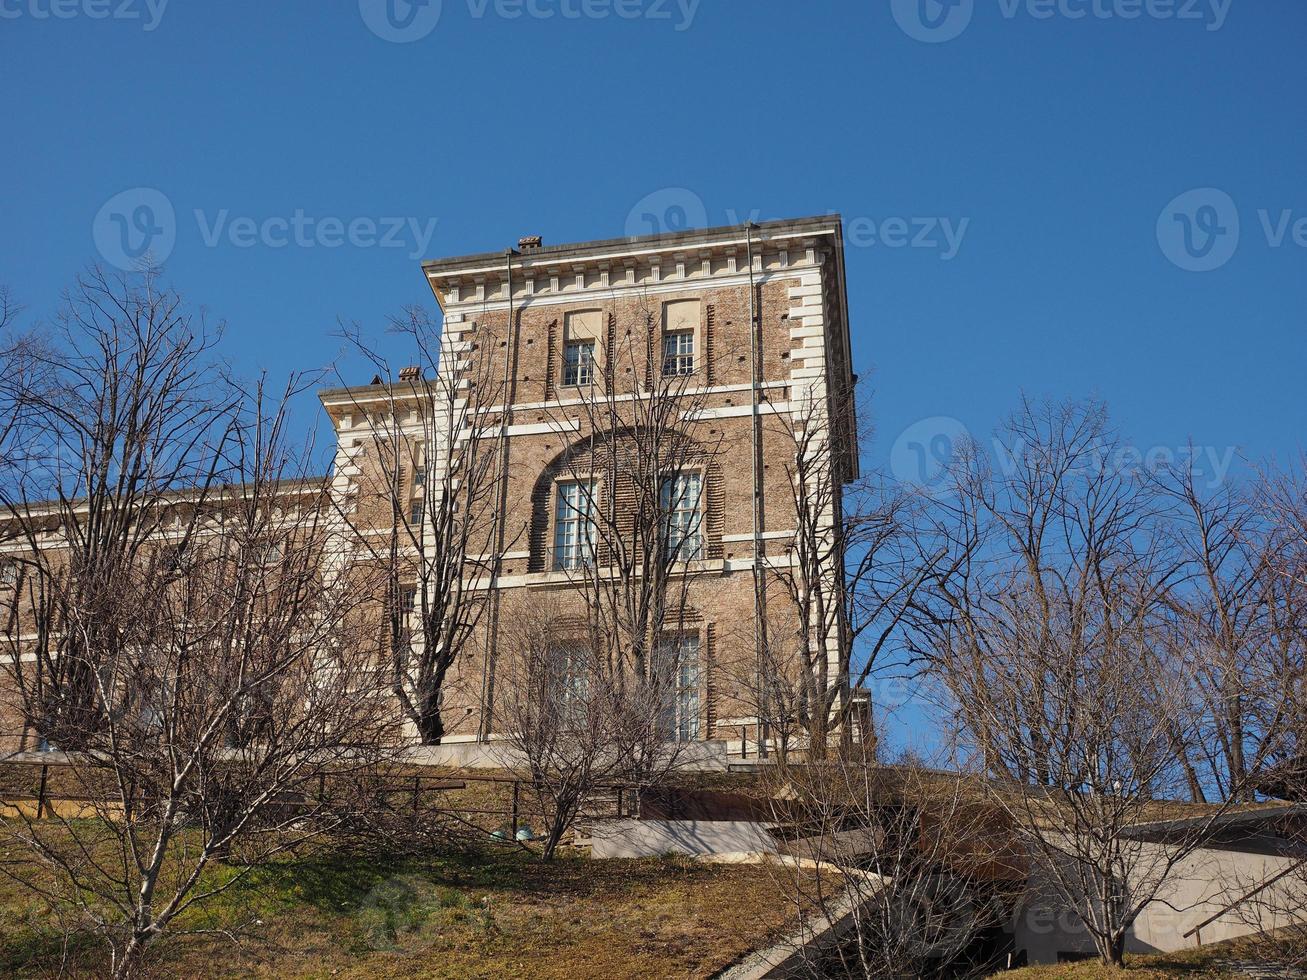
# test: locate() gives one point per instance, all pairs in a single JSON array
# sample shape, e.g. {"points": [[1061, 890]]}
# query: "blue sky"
{"points": [[1050, 137]]}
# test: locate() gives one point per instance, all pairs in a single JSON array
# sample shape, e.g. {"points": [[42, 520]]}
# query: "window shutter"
{"points": [[609, 343], [625, 505], [551, 365], [649, 358], [538, 536], [709, 321], [715, 504], [710, 680]]}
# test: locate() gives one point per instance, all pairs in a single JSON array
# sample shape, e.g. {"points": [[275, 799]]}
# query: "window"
{"points": [[584, 333], [420, 465], [676, 671], [569, 666], [578, 362], [678, 353], [573, 529], [408, 599], [681, 495], [415, 516], [682, 321], [8, 573]]}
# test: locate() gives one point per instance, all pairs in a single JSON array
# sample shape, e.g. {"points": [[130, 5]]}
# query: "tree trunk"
{"points": [[430, 725]]}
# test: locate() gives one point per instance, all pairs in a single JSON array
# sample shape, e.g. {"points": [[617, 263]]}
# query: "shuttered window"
{"points": [[676, 670], [574, 531], [682, 506]]}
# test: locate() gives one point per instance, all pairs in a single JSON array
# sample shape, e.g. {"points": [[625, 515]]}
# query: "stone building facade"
{"points": [[732, 343], [750, 322]]}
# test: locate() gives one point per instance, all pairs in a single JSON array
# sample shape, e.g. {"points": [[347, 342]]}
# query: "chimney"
{"points": [[529, 243], [413, 373]]}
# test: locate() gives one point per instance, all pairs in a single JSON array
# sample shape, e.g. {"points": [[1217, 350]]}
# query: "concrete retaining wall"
{"points": [[651, 838], [497, 754]]}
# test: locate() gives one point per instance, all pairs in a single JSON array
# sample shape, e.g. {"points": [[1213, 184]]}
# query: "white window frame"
{"points": [[677, 668], [574, 527], [581, 370], [569, 663], [678, 353], [683, 516]]}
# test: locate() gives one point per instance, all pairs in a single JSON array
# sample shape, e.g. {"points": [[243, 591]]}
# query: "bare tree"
{"points": [[242, 681], [16, 362], [432, 470], [114, 412], [917, 861], [642, 466], [847, 582], [1050, 628], [1284, 500], [1239, 621], [567, 726]]}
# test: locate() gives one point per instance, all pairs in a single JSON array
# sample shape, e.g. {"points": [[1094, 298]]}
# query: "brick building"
{"points": [[550, 346], [642, 410]]}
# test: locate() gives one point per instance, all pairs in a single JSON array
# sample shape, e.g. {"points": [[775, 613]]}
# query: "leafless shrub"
{"points": [[175, 631], [115, 412], [915, 866], [432, 485], [1051, 627], [569, 722]]}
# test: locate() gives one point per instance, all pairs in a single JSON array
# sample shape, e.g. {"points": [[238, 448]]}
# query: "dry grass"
{"points": [[1208, 963], [500, 913]]}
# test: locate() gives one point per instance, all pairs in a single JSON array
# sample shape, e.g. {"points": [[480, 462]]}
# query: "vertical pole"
{"points": [[417, 790], [40, 793], [516, 790], [501, 514], [755, 371]]}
